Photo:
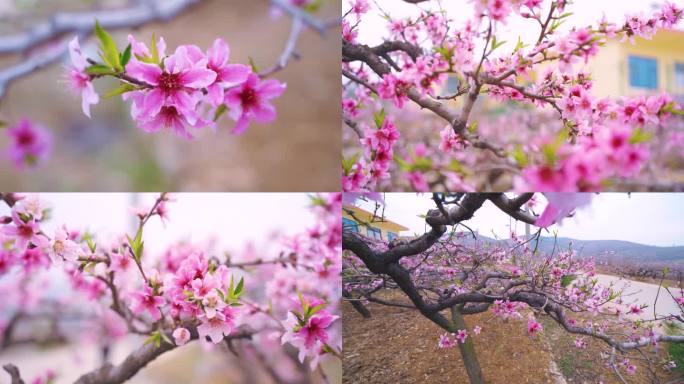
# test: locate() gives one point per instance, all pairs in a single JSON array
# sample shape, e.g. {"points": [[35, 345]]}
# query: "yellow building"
{"points": [[361, 221], [647, 67]]}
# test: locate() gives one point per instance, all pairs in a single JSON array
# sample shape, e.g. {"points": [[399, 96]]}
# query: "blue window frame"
{"points": [[374, 233], [643, 72], [391, 236], [350, 225], [679, 75]]}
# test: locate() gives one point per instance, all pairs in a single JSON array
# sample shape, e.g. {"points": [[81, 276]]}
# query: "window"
{"points": [[350, 225], [374, 233], [643, 72], [679, 75], [391, 236]]}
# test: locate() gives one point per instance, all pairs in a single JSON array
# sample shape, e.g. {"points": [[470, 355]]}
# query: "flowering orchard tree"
{"points": [[445, 270], [282, 308], [406, 133]]}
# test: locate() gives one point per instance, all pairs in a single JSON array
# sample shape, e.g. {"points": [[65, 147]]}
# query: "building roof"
{"points": [[369, 218]]}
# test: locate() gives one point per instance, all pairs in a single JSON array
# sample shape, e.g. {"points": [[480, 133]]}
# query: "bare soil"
{"points": [[399, 345]]}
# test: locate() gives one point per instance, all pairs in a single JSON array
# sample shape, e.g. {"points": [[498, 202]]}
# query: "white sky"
{"points": [[232, 218], [647, 218], [586, 12]]}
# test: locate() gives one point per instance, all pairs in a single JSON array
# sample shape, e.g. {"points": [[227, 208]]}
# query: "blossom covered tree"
{"points": [[403, 131], [444, 270], [279, 309]]}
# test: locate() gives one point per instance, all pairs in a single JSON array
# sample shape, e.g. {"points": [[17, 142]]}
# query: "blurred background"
{"points": [[241, 224], [298, 152]]}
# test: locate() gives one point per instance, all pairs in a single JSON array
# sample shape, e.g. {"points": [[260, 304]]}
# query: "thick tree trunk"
{"points": [[467, 350]]}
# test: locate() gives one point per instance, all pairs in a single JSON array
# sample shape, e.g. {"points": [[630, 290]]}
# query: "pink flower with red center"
{"points": [[79, 79], [185, 73], [120, 262], [250, 101], [635, 309], [533, 326], [418, 182], [147, 301], [215, 327], [226, 74], [23, 232], [315, 330], [30, 144], [204, 286], [393, 88], [349, 33], [445, 341], [450, 140], [170, 117], [461, 335]]}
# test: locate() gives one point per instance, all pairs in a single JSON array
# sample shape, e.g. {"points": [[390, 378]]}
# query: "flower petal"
{"points": [[146, 72]]}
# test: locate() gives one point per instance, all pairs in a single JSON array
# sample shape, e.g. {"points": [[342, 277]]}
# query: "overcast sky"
{"points": [[231, 218], [647, 218], [586, 12]]}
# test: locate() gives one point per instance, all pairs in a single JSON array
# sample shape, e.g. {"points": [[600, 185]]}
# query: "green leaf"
{"points": [[219, 111], [456, 166], [496, 44], [155, 50], [91, 244], [99, 69], [137, 243], [472, 128], [313, 6], [126, 56], [640, 136], [519, 46], [154, 339], [223, 295], [3, 124], [671, 108], [379, 118], [567, 279], [666, 271], [253, 65], [110, 54], [238, 289], [348, 164], [520, 156], [123, 88]]}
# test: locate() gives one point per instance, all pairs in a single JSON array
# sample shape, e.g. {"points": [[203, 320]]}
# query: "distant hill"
{"points": [[608, 250]]}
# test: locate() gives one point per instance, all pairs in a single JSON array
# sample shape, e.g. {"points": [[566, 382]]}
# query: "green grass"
{"points": [[676, 350]]}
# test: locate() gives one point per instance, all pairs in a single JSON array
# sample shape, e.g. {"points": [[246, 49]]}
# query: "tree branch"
{"points": [[138, 359]]}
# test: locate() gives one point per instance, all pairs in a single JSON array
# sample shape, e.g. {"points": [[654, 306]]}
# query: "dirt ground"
{"points": [[298, 152], [399, 345]]}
